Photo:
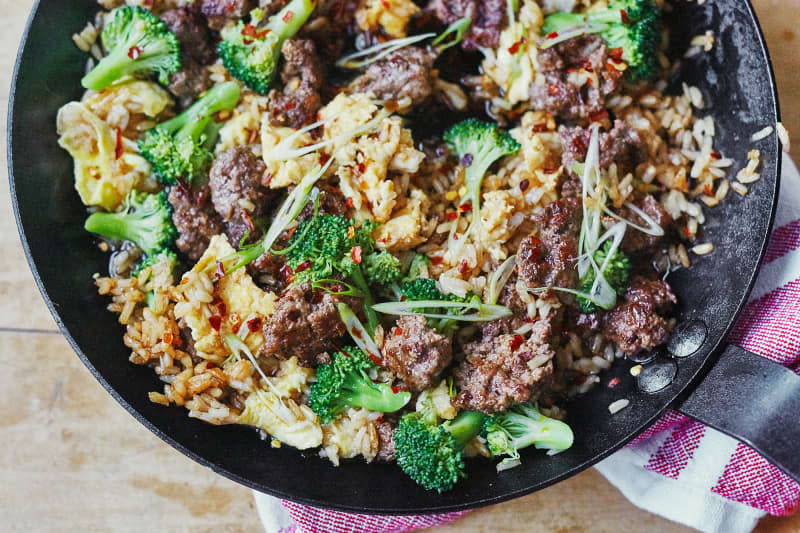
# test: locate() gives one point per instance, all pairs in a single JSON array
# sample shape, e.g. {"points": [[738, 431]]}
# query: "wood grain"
{"points": [[73, 460]]}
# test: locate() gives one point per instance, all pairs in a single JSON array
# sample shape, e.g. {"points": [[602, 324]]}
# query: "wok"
{"points": [[697, 372]]}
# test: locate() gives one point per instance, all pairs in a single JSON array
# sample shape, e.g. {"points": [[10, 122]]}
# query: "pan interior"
{"points": [[737, 83]]}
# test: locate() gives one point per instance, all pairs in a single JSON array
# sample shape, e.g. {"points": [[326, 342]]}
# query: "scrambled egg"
{"points": [[101, 178], [404, 230], [242, 298], [391, 15], [496, 210], [290, 172], [512, 66], [128, 104], [283, 419], [366, 161]]}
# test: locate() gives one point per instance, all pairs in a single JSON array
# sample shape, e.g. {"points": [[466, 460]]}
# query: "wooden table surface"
{"points": [[72, 459]]}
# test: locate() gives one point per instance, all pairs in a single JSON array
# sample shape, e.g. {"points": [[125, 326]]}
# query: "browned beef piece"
{"points": [[194, 218], [191, 29], [270, 7], [638, 242], [508, 298], [302, 75], [330, 201], [331, 37], [547, 258], [219, 12], [304, 323], [621, 145], [638, 323], [561, 97], [488, 19], [496, 374], [416, 353], [189, 83], [405, 73], [237, 192], [385, 441]]}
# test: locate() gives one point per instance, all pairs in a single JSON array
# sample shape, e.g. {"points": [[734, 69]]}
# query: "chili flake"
{"points": [[289, 14], [451, 215], [514, 48], [437, 260], [355, 255], [624, 16], [215, 321], [134, 52], [349, 203], [168, 337], [552, 35], [351, 231], [305, 265], [516, 342], [463, 268], [553, 90], [615, 53], [120, 148], [398, 331], [613, 383], [465, 208], [254, 324], [375, 359]]}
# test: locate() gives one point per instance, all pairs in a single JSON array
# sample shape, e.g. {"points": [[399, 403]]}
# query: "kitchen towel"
{"points": [[678, 468]]}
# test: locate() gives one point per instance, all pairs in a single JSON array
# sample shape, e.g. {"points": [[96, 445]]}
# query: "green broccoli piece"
{"points": [[478, 144], [344, 383], [415, 266], [421, 289], [251, 54], [634, 26], [330, 245], [139, 43], [522, 426], [180, 148], [152, 260], [382, 268], [616, 273], [431, 453], [145, 219]]}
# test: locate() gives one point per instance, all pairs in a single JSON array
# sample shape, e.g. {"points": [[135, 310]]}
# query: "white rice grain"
{"points": [[762, 134], [617, 406], [702, 249]]}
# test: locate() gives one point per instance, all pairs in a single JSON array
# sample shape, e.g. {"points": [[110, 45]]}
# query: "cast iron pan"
{"points": [[743, 394]]}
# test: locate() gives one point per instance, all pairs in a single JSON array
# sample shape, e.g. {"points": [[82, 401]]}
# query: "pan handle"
{"points": [[755, 401]]}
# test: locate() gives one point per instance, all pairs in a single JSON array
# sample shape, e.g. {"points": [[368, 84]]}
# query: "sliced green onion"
{"points": [[458, 27], [237, 347], [485, 312], [498, 278], [284, 151], [357, 330], [381, 50], [653, 228]]}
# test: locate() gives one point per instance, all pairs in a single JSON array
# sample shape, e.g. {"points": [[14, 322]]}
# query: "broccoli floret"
{"points": [[152, 260], [415, 266], [138, 43], [478, 144], [145, 219], [634, 26], [180, 148], [522, 426], [382, 268], [431, 453], [344, 383], [425, 289], [251, 54], [328, 245], [421, 289], [616, 273]]}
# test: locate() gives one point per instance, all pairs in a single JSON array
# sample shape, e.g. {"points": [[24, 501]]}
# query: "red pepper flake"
{"points": [[716, 155], [379, 419], [324, 158], [437, 260], [375, 359], [286, 272], [248, 221], [262, 34], [290, 232], [552, 35], [402, 298], [570, 70], [253, 136], [248, 42], [215, 321], [553, 90], [356, 333], [587, 66], [386, 4], [291, 104], [216, 299], [361, 167], [220, 272], [398, 331], [535, 249], [222, 308], [396, 389], [254, 324], [707, 189], [120, 148], [465, 208], [514, 48], [624, 16], [615, 53], [355, 254], [539, 128], [288, 16], [168, 337], [148, 3], [305, 265], [613, 383], [598, 115], [349, 203], [516, 342], [451, 215], [390, 105], [134, 52], [687, 232], [351, 232], [463, 268], [249, 30], [524, 184]]}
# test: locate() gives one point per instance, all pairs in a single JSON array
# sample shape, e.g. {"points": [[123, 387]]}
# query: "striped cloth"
{"points": [[678, 468]]}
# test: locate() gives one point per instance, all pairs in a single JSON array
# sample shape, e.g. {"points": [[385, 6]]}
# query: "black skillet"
{"points": [[740, 393]]}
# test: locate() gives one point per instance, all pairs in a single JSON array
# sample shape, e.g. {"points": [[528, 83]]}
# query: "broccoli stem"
{"points": [[288, 21], [112, 226], [195, 120], [111, 68], [529, 428], [465, 427], [374, 396]]}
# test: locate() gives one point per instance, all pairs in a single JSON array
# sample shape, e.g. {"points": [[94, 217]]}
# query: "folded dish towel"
{"points": [[678, 468]]}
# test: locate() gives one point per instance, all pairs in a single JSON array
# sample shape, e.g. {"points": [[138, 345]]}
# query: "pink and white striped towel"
{"points": [[678, 468]]}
